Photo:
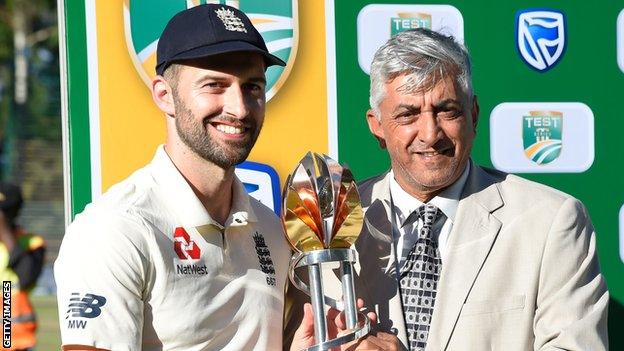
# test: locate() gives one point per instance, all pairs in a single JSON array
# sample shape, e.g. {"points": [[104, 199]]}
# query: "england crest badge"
{"points": [[144, 21], [540, 37], [541, 134]]}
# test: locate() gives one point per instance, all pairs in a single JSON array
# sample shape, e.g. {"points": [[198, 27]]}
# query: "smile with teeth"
{"points": [[429, 153], [229, 129]]}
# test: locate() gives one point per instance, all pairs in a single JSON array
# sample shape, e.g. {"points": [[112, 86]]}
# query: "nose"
{"points": [[428, 129], [235, 104]]}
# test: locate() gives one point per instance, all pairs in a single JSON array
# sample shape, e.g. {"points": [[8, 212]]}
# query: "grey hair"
{"points": [[428, 56]]}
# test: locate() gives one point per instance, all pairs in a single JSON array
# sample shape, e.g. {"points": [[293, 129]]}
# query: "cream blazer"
{"points": [[521, 271]]}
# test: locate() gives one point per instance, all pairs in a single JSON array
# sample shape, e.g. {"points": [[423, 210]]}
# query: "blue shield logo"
{"points": [[261, 181], [540, 37]]}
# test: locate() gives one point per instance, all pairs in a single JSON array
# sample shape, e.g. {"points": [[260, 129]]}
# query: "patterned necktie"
{"points": [[419, 280]]}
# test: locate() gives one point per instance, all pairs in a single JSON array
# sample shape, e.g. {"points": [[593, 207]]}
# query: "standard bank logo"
{"points": [[261, 182], [276, 20], [541, 133], [540, 37], [620, 40], [542, 137], [378, 23]]}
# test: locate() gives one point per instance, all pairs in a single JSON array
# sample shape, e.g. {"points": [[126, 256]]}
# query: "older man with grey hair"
{"points": [[455, 256]]}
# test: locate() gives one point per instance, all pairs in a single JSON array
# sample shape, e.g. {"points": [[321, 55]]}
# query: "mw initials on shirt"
{"points": [[76, 324]]}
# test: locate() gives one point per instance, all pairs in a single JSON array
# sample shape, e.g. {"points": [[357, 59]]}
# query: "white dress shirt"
{"points": [[403, 204]]}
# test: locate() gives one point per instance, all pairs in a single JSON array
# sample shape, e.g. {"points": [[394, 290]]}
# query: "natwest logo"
{"points": [[185, 248]]}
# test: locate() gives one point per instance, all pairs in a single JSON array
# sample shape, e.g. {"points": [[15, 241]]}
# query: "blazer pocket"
{"points": [[510, 303]]}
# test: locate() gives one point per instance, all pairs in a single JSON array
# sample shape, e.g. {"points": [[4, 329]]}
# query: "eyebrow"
{"points": [[257, 80], [206, 77], [408, 107], [441, 104], [223, 79], [446, 102]]}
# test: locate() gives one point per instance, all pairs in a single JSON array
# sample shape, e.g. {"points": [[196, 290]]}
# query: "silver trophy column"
{"points": [[322, 217]]}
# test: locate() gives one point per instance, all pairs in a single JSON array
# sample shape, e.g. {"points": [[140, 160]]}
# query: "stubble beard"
{"points": [[433, 181], [194, 134]]}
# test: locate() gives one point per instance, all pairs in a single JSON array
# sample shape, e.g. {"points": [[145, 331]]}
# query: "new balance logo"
{"points": [[87, 306], [184, 247]]}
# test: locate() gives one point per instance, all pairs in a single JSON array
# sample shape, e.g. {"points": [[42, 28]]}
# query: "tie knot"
{"points": [[429, 213]]}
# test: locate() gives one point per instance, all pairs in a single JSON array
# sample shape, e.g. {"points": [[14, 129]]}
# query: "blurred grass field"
{"points": [[48, 332]]}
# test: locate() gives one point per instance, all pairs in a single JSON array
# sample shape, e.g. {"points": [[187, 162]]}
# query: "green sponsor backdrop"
{"points": [[587, 73]]}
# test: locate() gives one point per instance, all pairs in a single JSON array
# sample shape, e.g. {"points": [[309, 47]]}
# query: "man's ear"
{"points": [[475, 113], [374, 125], [163, 95]]}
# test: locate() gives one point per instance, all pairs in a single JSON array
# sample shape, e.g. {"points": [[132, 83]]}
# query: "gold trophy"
{"points": [[322, 217]]}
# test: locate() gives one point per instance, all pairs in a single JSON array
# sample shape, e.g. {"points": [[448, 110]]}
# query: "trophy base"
{"points": [[358, 323]]}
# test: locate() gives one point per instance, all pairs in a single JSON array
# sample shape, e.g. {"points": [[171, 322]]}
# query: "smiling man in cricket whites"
{"points": [[178, 256]]}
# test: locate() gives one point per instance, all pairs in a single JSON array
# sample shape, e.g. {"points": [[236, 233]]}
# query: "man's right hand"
{"points": [[304, 336], [372, 341], [378, 341]]}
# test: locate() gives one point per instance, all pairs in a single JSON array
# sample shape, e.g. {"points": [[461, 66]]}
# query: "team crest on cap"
{"points": [[541, 132], [276, 20], [230, 21], [541, 37]]}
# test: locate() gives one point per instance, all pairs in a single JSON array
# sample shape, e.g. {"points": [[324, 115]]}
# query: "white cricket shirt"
{"points": [[145, 268]]}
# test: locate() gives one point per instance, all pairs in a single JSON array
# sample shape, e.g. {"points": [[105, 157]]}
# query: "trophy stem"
{"points": [[348, 292], [318, 305]]}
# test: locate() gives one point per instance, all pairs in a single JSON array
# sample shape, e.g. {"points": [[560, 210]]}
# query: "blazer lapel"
{"points": [[472, 237]]}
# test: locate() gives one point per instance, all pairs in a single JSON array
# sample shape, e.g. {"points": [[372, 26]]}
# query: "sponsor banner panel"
{"points": [[377, 23], [262, 182], [126, 126], [542, 137]]}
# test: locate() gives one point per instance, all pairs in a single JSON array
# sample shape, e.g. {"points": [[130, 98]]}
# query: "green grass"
{"points": [[48, 332]]}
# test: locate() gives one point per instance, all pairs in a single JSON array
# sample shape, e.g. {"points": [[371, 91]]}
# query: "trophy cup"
{"points": [[322, 217]]}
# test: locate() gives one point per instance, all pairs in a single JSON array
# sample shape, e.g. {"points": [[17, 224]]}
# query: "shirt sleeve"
{"points": [[100, 274]]}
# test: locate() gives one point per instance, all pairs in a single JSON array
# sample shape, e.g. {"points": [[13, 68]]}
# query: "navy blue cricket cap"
{"points": [[207, 30]]}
